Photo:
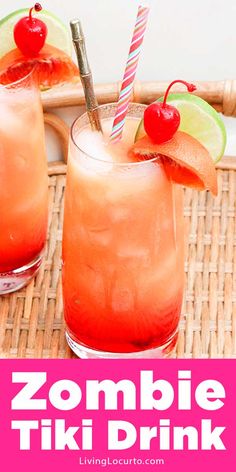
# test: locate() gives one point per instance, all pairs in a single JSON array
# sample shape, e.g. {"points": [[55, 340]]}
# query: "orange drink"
{"points": [[122, 246], [23, 183]]}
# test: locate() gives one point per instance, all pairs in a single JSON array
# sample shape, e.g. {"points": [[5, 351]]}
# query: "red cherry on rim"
{"points": [[30, 33], [161, 120]]}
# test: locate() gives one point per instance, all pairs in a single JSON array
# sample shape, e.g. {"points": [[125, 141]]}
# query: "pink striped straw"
{"points": [[130, 72]]}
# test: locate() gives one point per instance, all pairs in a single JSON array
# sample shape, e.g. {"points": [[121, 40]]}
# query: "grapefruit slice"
{"points": [[185, 159], [52, 67]]}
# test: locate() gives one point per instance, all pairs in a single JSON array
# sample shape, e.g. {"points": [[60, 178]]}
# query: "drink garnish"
{"points": [[58, 34], [52, 66], [50, 60], [161, 120], [185, 159], [187, 136], [30, 33], [199, 119]]}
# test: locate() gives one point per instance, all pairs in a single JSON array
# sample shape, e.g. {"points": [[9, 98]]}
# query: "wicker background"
{"points": [[31, 320]]}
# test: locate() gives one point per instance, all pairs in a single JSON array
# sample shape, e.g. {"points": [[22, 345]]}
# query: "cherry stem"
{"points": [[36, 7], [190, 87]]}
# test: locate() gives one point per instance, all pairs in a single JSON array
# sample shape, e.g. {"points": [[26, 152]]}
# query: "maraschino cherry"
{"points": [[30, 33], [161, 120]]}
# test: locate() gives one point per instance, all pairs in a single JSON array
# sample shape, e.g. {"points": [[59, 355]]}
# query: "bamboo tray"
{"points": [[31, 320]]}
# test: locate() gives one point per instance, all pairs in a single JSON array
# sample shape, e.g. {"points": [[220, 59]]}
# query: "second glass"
{"points": [[122, 248], [23, 183]]}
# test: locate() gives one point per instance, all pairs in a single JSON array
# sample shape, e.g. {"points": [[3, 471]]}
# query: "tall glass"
{"points": [[23, 183], [122, 253]]}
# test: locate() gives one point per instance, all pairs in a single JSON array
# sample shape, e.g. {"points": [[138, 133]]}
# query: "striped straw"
{"points": [[130, 72]]}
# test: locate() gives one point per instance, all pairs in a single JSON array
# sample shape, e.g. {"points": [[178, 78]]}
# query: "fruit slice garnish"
{"points": [[52, 67], [185, 159], [58, 34], [198, 119]]}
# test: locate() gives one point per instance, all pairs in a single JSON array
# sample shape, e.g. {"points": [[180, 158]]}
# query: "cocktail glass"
{"points": [[123, 264], [23, 183]]}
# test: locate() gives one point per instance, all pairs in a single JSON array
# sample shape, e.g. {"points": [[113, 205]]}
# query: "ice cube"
{"points": [[130, 251], [100, 237], [15, 112], [122, 298], [119, 213], [91, 284], [10, 123], [162, 281], [92, 144]]}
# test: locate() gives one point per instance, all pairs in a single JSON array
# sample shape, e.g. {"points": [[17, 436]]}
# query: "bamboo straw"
{"points": [[85, 75]]}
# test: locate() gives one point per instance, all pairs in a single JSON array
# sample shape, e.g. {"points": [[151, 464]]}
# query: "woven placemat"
{"points": [[31, 320]]}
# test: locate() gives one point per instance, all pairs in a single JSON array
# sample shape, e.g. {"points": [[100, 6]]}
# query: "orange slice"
{"points": [[185, 159], [52, 66]]}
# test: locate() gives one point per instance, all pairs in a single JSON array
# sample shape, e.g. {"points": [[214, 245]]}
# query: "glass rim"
{"points": [[115, 164], [18, 81]]}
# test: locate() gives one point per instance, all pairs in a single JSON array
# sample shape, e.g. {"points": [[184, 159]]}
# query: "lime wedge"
{"points": [[198, 119], [58, 34]]}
